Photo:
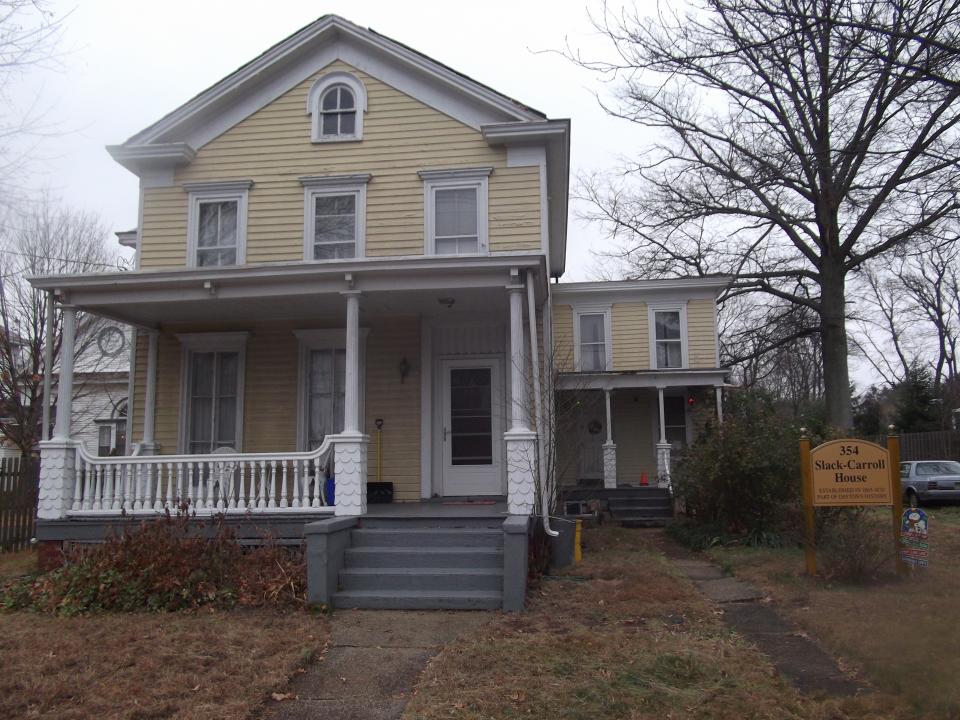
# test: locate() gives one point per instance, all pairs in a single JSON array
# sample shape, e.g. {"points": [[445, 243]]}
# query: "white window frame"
{"points": [[314, 96], [315, 186], [324, 339], [227, 191], [652, 310], [209, 342], [456, 179], [607, 312]]}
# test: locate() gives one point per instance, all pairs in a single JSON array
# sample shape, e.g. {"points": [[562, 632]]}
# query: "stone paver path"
{"points": [[794, 655], [371, 663]]}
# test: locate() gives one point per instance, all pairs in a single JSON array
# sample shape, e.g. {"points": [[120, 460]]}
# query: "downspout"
{"points": [[538, 403]]}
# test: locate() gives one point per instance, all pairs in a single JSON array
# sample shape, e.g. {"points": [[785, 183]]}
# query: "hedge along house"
{"points": [[343, 269]]}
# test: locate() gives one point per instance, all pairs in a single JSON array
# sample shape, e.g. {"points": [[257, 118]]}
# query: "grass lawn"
{"points": [[17, 563], [621, 636], [904, 635], [137, 666]]}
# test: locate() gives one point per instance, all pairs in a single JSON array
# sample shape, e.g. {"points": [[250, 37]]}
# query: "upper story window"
{"points": [[334, 216], [592, 339], [337, 102], [217, 223], [455, 211], [669, 337]]}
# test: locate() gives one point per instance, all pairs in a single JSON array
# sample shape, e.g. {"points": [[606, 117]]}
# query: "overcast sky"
{"points": [[126, 64]]}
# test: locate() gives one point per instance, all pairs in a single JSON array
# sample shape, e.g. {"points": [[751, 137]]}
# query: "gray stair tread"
{"points": [[448, 550], [430, 530], [424, 593], [420, 599], [421, 571]]}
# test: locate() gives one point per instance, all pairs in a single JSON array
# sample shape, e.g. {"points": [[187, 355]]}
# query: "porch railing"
{"points": [[202, 484]]}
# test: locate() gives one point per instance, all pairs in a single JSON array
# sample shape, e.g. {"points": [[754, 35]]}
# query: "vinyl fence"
{"points": [[18, 503]]}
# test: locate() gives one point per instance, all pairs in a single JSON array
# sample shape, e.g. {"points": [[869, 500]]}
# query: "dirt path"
{"points": [[372, 662], [793, 653]]}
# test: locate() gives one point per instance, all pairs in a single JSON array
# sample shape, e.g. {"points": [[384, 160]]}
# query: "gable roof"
{"points": [[292, 60]]}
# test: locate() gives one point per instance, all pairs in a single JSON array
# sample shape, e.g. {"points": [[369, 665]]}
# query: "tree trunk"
{"points": [[833, 335]]}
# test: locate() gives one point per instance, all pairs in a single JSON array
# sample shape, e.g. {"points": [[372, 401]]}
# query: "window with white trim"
{"points": [[455, 208], [337, 102], [668, 334], [334, 216], [217, 223], [322, 383], [212, 391], [593, 343]]}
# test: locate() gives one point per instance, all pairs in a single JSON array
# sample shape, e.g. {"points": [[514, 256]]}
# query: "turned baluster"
{"points": [[77, 483]]}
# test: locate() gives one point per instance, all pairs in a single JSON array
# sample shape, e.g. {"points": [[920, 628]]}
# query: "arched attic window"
{"points": [[337, 102]]}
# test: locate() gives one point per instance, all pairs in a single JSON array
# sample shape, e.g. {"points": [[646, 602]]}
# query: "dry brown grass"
{"points": [[17, 563], [904, 635], [170, 665], [620, 637]]}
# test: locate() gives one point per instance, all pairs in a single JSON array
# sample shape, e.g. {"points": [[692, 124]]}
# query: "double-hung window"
{"points": [[334, 216], [455, 211], [322, 381], [669, 349], [212, 395], [217, 223], [592, 338]]}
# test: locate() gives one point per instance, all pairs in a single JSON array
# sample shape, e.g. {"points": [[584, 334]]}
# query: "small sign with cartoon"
{"points": [[914, 538]]}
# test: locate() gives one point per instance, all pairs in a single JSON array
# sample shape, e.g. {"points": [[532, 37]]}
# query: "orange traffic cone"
{"points": [[644, 480]]}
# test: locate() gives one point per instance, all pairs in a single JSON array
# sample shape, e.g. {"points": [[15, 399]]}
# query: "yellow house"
{"points": [[343, 277]]}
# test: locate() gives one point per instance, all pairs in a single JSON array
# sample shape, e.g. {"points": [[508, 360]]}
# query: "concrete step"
{"points": [[427, 537], [419, 599], [423, 557], [643, 512], [645, 522], [440, 522], [427, 579], [639, 504]]}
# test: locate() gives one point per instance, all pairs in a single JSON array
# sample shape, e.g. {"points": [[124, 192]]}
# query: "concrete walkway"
{"points": [[794, 655], [372, 661]]}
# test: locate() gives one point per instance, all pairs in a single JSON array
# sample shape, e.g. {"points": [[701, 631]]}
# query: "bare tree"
{"points": [[29, 33], [49, 240], [799, 139]]}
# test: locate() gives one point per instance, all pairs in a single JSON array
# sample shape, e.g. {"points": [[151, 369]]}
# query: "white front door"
{"points": [[471, 432]]}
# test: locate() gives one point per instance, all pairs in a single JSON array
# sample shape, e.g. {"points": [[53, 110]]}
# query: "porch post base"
{"points": [[609, 465], [521, 471], [149, 448], [350, 470], [663, 465], [58, 471]]}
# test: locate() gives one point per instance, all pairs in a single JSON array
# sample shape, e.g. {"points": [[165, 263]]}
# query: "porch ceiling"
{"points": [[643, 379], [296, 291]]}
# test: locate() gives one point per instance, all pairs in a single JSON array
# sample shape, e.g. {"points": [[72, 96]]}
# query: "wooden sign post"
{"points": [[850, 473]]}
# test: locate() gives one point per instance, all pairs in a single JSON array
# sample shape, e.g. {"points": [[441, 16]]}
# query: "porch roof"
{"points": [[678, 377], [147, 298]]}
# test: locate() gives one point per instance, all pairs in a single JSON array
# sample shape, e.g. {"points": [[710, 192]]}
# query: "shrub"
{"points": [[164, 564], [853, 544], [742, 477]]}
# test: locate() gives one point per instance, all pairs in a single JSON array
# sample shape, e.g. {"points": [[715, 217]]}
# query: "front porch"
{"points": [[280, 394]]}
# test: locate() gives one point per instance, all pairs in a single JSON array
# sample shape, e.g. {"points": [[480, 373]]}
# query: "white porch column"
{"points": [[47, 369], [58, 455], [149, 444], [350, 446], [521, 442], [663, 447], [609, 449], [719, 390]]}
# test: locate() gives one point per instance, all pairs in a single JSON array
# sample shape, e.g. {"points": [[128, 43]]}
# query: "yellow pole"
{"points": [[809, 547], [896, 494]]}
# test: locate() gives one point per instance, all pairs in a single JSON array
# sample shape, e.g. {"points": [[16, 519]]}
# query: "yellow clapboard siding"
{"points": [[631, 336], [702, 333], [272, 148], [563, 337]]}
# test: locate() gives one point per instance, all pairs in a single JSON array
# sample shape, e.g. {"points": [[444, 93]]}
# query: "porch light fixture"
{"points": [[447, 302], [404, 369]]}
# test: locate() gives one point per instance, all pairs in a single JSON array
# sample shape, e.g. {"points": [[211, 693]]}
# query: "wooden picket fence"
{"points": [[938, 445], [18, 503]]}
